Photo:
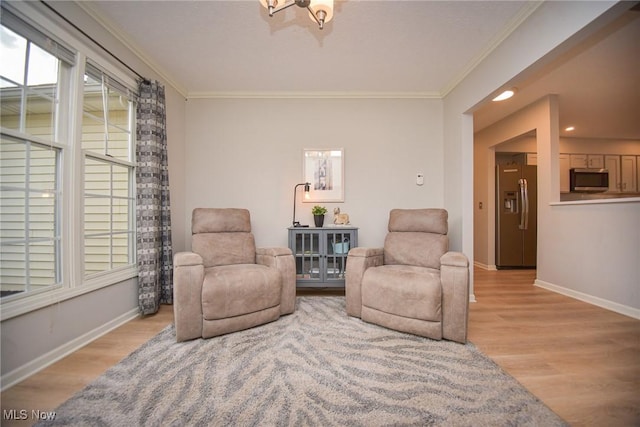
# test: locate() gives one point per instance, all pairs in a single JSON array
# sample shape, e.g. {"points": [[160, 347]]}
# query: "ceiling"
{"points": [[371, 48], [597, 84]]}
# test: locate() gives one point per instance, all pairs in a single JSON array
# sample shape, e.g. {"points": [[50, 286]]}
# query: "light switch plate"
{"points": [[420, 178]]}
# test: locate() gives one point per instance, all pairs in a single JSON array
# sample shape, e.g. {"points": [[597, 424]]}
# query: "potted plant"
{"points": [[318, 215]]}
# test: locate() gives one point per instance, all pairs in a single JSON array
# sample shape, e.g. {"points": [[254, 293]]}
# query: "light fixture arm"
{"points": [[307, 185], [300, 3], [318, 12], [320, 18], [273, 9]]}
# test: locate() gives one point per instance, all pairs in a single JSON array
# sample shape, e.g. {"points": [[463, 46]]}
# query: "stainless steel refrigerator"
{"points": [[516, 217]]}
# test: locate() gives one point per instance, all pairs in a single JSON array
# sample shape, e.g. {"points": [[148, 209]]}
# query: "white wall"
{"points": [[599, 146], [176, 130], [248, 153], [39, 338], [597, 246]]}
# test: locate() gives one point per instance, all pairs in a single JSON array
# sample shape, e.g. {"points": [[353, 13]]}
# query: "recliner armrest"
{"points": [[188, 276], [275, 251], [455, 259], [358, 261], [366, 252], [454, 275], [282, 259], [183, 259]]}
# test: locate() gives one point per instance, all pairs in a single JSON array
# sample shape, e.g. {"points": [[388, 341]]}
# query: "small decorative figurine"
{"points": [[340, 218]]}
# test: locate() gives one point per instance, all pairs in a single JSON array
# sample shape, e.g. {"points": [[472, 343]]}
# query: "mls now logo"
{"points": [[23, 414], [14, 414]]}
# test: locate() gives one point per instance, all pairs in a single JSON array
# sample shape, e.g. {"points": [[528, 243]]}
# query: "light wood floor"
{"points": [[581, 360]]}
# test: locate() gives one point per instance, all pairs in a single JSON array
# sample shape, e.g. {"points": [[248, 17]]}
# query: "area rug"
{"points": [[316, 367]]}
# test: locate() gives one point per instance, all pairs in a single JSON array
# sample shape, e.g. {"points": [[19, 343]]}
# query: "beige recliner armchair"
{"points": [[413, 284], [226, 284]]}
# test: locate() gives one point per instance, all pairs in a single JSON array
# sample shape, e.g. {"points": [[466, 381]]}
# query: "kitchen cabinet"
{"points": [[578, 160], [587, 161], [531, 159], [623, 173], [595, 161], [623, 170], [565, 166], [628, 174], [321, 254], [517, 158], [612, 164]]}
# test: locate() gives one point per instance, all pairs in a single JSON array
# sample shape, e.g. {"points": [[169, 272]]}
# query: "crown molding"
{"points": [[314, 95], [119, 34], [516, 21]]}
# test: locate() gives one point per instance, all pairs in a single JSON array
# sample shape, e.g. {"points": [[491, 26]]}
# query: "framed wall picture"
{"points": [[324, 169]]}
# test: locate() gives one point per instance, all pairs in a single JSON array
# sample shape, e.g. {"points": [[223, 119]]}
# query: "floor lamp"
{"points": [[306, 196]]}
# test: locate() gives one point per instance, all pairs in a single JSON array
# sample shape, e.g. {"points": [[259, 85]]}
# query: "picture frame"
{"points": [[324, 170]]}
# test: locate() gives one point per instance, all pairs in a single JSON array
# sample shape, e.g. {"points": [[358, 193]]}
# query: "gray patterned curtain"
{"points": [[155, 258]]}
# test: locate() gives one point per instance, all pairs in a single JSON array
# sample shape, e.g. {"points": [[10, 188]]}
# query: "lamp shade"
{"points": [[321, 5]]}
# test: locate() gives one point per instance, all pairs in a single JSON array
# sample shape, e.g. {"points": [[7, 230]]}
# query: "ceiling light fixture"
{"points": [[505, 95], [570, 128], [321, 11]]}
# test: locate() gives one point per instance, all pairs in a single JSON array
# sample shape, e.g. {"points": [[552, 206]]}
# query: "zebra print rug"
{"points": [[316, 367]]}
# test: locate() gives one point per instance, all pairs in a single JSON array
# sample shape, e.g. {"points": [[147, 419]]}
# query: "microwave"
{"points": [[587, 180]]}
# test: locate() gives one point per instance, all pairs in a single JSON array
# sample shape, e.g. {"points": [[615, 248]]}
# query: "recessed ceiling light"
{"points": [[505, 95], [570, 128]]}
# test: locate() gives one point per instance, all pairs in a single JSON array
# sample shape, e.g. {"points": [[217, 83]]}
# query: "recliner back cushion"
{"points": [[224, 248], [431, 220], [215, 220], [222, 236], [415, 248]]}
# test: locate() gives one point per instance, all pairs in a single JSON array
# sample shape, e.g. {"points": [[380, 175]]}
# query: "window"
{"points": [[67, 166], [30, 156], [30, 234], [109, 174]]}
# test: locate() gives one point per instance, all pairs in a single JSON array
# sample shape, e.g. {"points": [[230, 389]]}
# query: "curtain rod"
{"points": [[144, 79]]}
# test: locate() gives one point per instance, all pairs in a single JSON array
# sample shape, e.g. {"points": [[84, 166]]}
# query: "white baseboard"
{"points": [[485, 266], [600, 302], [47, 359]]}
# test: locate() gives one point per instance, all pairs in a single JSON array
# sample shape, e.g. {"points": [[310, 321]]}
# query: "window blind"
{"points": [[44, 41], [94, 71]]}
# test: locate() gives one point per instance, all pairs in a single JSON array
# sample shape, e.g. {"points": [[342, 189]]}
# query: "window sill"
{"points": [[35, 301]]}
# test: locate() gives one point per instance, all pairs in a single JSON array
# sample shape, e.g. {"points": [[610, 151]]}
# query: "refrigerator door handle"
{"points": [[524, 212], [526, 198]]}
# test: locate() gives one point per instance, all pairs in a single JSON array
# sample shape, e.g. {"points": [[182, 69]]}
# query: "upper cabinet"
{"points": [[587, 161], [623, 170]]}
